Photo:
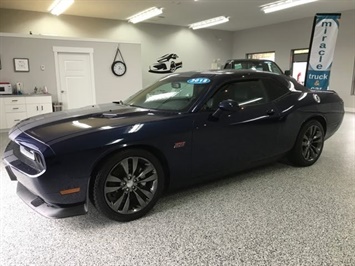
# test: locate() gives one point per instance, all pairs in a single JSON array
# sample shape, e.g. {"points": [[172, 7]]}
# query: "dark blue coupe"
{"points": [[184, 129]]}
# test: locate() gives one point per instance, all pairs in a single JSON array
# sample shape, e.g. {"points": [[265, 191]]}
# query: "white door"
{"points": [[75, 79]]}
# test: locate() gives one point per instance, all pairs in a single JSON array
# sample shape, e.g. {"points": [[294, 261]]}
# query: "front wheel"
{"points": [[309, 144], [128, 185]]}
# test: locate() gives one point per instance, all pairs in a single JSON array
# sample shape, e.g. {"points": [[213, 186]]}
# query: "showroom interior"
{"points": [[275, 214]]}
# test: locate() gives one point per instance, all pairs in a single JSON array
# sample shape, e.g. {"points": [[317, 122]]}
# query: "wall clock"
{"points": [[118, 68]]}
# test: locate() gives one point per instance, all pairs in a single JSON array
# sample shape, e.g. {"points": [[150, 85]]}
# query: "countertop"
{"points": [[24, 95]]}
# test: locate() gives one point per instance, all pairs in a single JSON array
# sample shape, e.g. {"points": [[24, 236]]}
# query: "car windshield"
{"points": [[173, 93]]}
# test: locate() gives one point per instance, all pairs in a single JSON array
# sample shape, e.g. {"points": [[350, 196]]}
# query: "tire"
{"points": [[172, 66], [128, 185], [309, 144]]}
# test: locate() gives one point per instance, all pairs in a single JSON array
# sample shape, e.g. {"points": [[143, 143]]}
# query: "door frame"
{"points": [[73, 50]]}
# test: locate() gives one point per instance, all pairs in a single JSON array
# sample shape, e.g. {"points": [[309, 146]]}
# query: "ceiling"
{"points": [[243, 14]]}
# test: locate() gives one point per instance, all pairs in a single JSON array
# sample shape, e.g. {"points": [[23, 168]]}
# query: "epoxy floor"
{"points": [[274, 215]]}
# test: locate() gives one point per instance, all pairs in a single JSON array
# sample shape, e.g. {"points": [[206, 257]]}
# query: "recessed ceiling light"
{"points": [[209, 22], [146, 14], [283, 4], [59, 6]]}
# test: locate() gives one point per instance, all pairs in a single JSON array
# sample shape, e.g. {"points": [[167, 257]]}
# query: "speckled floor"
{"points": [[275, 215]]}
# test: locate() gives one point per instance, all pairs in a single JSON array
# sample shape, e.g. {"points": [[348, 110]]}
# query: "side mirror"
{"points": [[226, 106], [288, 72]]}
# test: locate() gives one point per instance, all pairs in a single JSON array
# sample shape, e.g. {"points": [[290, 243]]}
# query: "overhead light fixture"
{"points": [[283, 4], [209, 22], [59, 6], [146, 14]]}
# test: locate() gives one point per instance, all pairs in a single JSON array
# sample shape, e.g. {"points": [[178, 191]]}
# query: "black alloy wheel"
{"points": [[309, 144], [128, 185]]}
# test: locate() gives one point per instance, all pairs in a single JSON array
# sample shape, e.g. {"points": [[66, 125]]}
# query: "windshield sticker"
{"points": [[199, 81]]}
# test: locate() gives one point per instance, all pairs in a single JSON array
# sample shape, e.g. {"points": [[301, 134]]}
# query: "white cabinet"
{"points": [[13, 109], [38, 105], [2, 114]]}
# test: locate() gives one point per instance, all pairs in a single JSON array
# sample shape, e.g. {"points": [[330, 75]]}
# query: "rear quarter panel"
{"points": [[297, 108]]}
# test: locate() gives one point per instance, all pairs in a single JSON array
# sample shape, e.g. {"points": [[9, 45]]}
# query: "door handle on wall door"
{"points": [[62, 91]]}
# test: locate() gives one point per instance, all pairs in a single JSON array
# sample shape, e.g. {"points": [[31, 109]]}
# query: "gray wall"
{"points": [[197, 49], [39, 51], [284, 37]]}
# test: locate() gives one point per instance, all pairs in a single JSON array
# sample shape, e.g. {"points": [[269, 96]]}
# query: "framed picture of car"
{"points": [[21, 65]]}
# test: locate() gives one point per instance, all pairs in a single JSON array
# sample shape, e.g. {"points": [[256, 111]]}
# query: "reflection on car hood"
{"points": [[56, 125]]}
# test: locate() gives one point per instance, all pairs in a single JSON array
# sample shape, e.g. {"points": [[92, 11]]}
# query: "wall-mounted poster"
{"points": [[21, 65], [168, 63]]}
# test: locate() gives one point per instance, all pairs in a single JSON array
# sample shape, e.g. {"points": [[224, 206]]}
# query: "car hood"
{"points": [[49, 127]]}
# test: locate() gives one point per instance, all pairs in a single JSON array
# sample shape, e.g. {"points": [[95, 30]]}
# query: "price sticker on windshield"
{"points": [[199, 81]]}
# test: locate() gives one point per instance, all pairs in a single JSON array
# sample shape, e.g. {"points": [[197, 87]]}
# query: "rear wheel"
{"points": [[309, 144], [128, 185]]}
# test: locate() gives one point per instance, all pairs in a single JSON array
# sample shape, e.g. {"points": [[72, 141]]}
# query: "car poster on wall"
{"points": [[168, 63]]}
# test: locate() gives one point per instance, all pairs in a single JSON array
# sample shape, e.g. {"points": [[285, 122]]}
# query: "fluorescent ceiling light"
{"points": [[59, 6], [146, 14], [279, 5], [209, 22]]}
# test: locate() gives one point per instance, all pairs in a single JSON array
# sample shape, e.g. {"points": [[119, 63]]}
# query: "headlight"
{"points": [[34, 155], [27, 152]]}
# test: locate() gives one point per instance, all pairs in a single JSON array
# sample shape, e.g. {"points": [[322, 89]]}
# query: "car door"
{"points": [[238, 139]]}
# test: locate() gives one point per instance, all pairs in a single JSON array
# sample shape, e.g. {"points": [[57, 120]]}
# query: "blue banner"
{"points": [[321, 52]]}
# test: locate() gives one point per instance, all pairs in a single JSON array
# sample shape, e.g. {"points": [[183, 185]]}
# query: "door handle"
{"points": [[62, 91], [270, 112]]}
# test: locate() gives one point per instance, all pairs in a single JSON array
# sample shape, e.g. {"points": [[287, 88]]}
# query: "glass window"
{"points": [[262, 55], [245, 93], [169, 94], [274, 68], [274, 89]]}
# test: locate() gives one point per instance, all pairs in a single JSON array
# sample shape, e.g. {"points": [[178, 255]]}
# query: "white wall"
{"points": [[284, 37]]}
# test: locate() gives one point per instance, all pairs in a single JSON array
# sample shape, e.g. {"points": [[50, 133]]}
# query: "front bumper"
{"points": [[44, 208], [43, 190], [47, 210]]}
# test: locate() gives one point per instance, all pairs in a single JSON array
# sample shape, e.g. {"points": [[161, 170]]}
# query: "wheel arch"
{"points": [[156, 152], [318, 118]]}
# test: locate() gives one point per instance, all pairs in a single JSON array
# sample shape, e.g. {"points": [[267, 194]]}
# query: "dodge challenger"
{"points": [[184, 129]]}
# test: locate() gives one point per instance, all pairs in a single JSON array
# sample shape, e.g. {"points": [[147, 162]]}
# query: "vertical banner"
{"points": [[320, 58]]}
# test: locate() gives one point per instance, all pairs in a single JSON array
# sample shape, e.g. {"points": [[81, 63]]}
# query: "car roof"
{"points": [[223, 75], [224, 72], [250, 60]]}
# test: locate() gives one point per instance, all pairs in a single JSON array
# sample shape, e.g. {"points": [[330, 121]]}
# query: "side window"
{"points": [[249, 92], [274, 89]]}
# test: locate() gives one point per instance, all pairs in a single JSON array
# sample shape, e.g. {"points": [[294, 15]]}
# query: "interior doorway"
{"points": [[299, 58], [75, 76]]}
